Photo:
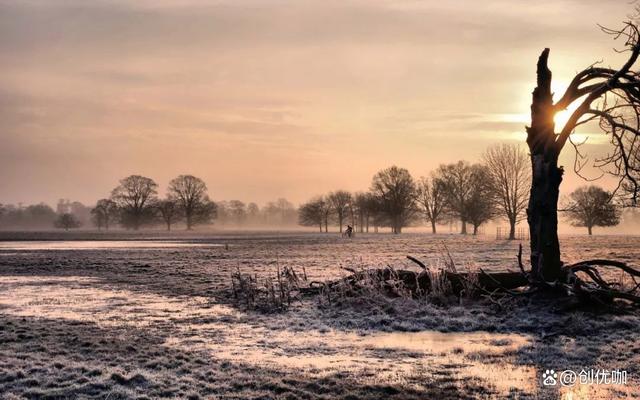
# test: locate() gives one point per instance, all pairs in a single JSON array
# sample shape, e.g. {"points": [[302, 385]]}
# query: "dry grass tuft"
{"points": [[271, 294]]}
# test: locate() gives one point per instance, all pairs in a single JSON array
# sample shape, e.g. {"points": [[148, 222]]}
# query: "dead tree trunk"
{"points": [[542, 212]]}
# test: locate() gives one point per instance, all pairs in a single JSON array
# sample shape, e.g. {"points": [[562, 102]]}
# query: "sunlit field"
{"points": [[147, 316]]}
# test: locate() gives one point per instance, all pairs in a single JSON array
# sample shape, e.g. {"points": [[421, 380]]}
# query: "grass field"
{"points": [[151, 316]]}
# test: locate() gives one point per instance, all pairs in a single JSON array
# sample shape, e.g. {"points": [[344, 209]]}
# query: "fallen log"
{"points": [[592, 288]]}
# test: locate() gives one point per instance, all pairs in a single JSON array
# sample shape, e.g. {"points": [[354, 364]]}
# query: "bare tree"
{"points": [[610, 96], [312, 213], [204, 213], [238, 211], [481, 206], [135, 196], [326, 213], [510, 172], [340, 201], [253, 213], [457, 182], [431, 199], [362, 210], [191, 194], [373, 214], [396, 192], [591, 206], [67, 221], [169, 211], [629, 195], [105, 211]]}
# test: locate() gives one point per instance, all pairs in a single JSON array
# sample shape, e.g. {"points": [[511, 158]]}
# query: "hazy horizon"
{"points": [[268, 99]]}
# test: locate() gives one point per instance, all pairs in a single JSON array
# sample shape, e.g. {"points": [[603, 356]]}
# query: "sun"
{"points": [[558, 87]]}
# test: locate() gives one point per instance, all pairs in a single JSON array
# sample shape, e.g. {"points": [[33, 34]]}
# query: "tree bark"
{"points": [[463, 230], [475, 230], [433, 227], [512, 230], [590, 230], [542, 210]]}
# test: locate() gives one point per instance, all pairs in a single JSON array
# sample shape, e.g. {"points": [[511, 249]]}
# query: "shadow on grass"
{"points": [[58, 359]]}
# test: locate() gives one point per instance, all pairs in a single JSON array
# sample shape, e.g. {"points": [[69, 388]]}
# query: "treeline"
{"points": [[36, 216], [135, 204], [472, 194], [275, 213]]}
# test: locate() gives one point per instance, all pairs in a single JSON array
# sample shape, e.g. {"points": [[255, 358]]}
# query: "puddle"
{"points": [[98, 244]]}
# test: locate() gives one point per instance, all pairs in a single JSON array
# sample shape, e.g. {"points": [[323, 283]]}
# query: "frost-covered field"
{"points": [[149, 316]]}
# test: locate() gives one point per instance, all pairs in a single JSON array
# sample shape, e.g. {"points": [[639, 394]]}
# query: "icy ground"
{"points": [[149, 316]]}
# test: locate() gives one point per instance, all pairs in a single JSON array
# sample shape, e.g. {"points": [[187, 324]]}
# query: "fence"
{"points": [[521, 233]]}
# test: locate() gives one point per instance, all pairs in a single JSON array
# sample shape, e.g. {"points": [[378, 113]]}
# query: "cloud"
{"points": [[289, 88]]}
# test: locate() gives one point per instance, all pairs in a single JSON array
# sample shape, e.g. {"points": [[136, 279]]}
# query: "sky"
{"points": [[268, 98]]}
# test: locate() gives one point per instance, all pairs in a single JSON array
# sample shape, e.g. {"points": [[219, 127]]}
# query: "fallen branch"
{"points": [[415, 260]]}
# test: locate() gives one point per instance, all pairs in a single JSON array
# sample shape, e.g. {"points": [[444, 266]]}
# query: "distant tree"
{"points": [[223, 214], [81, 212], [457, 180], [373, 214], [395, 190], [63, 206], [67, 221], [205, 213], [36, 216], [361, 209], [280, 212], [169, 211], [482, 206], [510, 170], [191, 194], [326, 212], [591, 206], [340, 201], [288, 212], [431, 200], [135, 196], [312, 213], [253, 213], [271, 213], [238, 211], [105, 212], [39, 215]]}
